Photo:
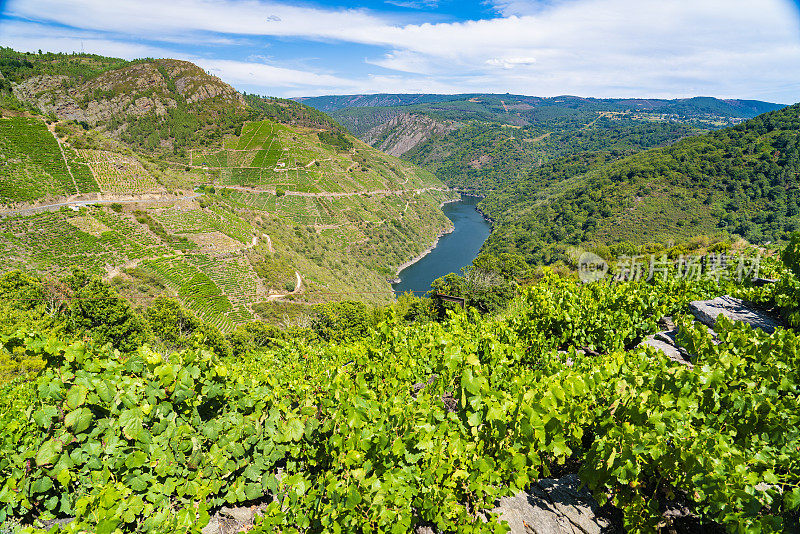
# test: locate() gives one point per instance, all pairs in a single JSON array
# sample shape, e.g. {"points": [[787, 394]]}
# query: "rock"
{"points": [[242, 514], [552, 506], [667, 343], [666, 323], [50, 523], [673, 353], [419, 386], [707, 311], [232, 519]]}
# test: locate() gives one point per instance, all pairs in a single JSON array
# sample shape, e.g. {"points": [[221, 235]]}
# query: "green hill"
{"points": [[742, 180], [188, 188], [483, 142]]}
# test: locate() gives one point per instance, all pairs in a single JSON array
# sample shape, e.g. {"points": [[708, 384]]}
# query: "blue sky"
{"points": [[603, 48]]}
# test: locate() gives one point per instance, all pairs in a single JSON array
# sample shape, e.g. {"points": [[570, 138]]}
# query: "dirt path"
{"points": [[298, 288], [63, 156], [335, 195]]}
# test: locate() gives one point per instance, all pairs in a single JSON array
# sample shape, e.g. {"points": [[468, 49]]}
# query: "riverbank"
{"points": [[415, 259], [424, 253]]}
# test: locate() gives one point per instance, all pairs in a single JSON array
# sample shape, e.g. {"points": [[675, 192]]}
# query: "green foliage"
{"points": [[98, 311], [334, 437], [341, 321], [170, 321], [290, 112], [335, 139], [703, 433], [737, 180], [791, 254], [253, 336], [33, 164]]}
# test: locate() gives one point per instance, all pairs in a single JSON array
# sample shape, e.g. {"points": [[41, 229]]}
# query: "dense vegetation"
{"points": [[488, 142], [483, 157], [741, 180], [333, 437]]}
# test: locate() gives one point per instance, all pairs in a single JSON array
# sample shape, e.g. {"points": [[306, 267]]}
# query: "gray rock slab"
{"points": [[707, 311], [552, 506], [665, 342]]}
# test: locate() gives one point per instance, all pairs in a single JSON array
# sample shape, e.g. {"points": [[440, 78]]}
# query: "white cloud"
{"points": [[254, 74], [728, 48], [511, 62], [30, 37]]}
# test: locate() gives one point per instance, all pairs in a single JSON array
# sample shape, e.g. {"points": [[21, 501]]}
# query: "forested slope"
{"points": [[483, 142], [742, 180]]}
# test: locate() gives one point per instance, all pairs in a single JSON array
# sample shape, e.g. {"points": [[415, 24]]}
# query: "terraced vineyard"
{"points": [[119, 173], [32, 165], [200, 214], [269, 156]]}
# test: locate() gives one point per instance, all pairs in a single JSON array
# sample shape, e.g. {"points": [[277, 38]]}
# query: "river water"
{"points": [[454, 250]]}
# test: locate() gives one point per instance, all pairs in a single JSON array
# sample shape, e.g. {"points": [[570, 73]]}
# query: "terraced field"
{"points": [[32, 165], [119, 173], [270, 156]]}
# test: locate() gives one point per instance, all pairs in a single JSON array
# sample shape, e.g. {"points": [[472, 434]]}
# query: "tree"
{"points": [[170, 321], [341, 321], [254, 335], [98, 311], [791, 254]]}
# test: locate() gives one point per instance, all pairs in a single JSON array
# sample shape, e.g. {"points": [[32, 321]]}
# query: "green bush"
{"points": [[341, 321]]}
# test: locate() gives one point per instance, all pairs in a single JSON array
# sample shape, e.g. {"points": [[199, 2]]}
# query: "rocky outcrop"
{"points": [[553, 506], [134, 90], [707, 312], [229, 520], [195, 85], [404, 132]]}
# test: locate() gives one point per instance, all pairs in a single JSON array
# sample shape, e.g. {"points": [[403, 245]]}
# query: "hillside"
{"points": [[453, 425], [482, 142], [686, 106], [404, 132], [742, 180], [178, 184]]}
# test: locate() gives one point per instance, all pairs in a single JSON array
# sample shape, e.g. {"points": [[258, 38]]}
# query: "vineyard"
{"points": [[416, 424], [118, 173], [32, 165], [269, 155]]}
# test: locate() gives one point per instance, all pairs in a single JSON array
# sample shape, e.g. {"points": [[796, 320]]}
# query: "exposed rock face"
{"points": [[553, 506], [707, 311], [666, 343], [135, 90], [195, 85], [404, 132], [229, 520]]}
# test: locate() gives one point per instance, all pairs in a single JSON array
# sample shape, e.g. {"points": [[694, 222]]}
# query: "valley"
{"points": [[223, 312], [221, 218]]}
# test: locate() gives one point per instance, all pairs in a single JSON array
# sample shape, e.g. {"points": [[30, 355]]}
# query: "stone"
{"points": [[707, 311], [666, 323], [552, 506], [667, 343]]}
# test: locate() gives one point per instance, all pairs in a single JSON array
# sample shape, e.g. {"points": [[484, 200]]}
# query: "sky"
{"points": [[602, 48]]}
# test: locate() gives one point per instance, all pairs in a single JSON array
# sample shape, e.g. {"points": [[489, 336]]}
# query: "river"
{"points": [[454, 250]]}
